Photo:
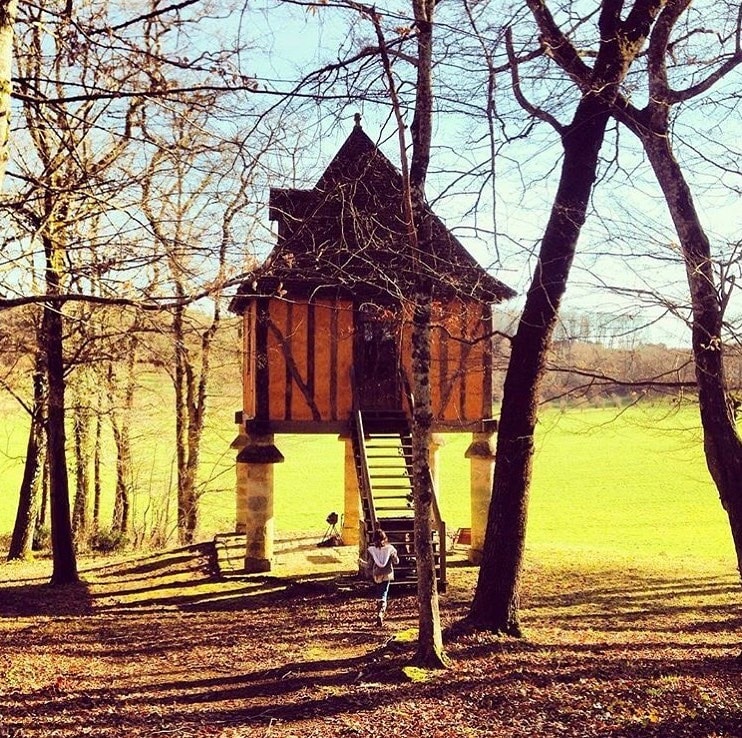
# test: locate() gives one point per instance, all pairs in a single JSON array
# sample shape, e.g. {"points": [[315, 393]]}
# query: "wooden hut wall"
{"points": [[461, 365], [299, 358], [305, 369]]}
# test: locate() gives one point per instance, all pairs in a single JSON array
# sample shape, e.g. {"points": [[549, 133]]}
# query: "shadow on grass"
{"points": [[627, 601], [611, 682], [32, 600], [353, 688]]}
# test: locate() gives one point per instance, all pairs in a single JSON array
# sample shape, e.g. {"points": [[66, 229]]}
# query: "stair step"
{"points": [[383, 460], [386, 446]]}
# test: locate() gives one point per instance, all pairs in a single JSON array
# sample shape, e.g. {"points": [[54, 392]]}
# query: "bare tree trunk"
{"points": [[496, 599], [97, 450], [63, 550], [622, 36], [21, 541], [120, 424], [81, 428], [43, 513], [721, 441], [430, 651], [185, 433], [8, 10]]}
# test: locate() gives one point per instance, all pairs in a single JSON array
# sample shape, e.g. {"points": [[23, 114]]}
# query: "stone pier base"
{"points": [[255, 500], [481, 454]]}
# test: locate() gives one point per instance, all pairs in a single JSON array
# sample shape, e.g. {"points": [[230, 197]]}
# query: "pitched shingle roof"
{"points": [[347, 236]]}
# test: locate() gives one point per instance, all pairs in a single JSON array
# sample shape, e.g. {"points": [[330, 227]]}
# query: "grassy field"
{"points": [[630, 606], [623, 483]]}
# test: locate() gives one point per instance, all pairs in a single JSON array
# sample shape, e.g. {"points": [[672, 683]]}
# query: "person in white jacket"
{"points": [[382, 557]]}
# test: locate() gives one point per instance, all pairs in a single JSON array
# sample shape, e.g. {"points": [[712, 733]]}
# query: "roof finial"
{"points": [[357, 119]]}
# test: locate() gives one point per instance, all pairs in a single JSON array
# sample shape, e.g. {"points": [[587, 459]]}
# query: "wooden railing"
{"points": [[364, 479]]}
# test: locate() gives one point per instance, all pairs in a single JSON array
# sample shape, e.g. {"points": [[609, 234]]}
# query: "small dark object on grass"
{"points": [[332, 534], [330, 542]]}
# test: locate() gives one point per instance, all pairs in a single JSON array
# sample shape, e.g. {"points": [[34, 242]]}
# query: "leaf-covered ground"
{"points": [[159, 645]]}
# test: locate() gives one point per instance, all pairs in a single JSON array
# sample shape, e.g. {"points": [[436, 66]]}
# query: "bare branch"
{"points": [[518, 92], [557, 46]]}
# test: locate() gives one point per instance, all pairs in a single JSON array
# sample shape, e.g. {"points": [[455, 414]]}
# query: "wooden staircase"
{"points": [[382, 446]]}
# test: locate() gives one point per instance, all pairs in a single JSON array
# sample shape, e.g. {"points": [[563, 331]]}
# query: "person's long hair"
{"points": [[380, 538]]}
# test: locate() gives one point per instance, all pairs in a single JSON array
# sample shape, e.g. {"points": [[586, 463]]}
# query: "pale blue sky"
{"points": [[295, 41]]}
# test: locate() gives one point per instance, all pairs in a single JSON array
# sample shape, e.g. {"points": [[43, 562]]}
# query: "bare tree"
{"points": [[8, 10], [709, 299], [698, 59], [194, 211], [430, 652], [21, 542], [497, 597], [89, 87]]}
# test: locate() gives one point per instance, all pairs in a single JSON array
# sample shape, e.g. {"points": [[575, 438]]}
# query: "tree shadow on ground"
{"points": [[623, 655], [33, 600]]}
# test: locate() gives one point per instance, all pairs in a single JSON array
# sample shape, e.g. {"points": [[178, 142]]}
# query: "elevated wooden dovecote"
{"points": [[327, 324]]}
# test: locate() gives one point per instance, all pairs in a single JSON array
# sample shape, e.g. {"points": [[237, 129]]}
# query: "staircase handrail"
{"points": [[440, 524], [366, 490]]}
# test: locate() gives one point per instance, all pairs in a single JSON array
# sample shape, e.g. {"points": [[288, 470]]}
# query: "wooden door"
{"points": [[377, 365]]}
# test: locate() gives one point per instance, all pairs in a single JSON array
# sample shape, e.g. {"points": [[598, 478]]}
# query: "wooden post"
{"points": [[481, 454], [255, 477], [241, 483]]}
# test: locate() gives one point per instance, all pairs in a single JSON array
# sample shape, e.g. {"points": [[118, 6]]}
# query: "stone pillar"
{"points": [[352, 509], [437, 442], [255, 487], [481, 454]]}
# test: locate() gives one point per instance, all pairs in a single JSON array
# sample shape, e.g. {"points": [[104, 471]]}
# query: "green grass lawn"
{"points": [[629, 483]]}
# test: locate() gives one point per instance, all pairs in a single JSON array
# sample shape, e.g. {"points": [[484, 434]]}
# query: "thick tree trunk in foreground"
{"points": [[64, 569], [430, 640], [622, 36], [496, 599]]}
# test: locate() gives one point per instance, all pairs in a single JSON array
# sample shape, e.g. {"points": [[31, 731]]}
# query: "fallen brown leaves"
{"points": [[158, 646]]}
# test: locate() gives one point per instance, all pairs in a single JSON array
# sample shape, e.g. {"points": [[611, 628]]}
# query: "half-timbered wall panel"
{"points": [[323, 358], [277, 388], [344, 361], [248, 361], [305, 355], [299, 361], [460, 363], [473, 364]]}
